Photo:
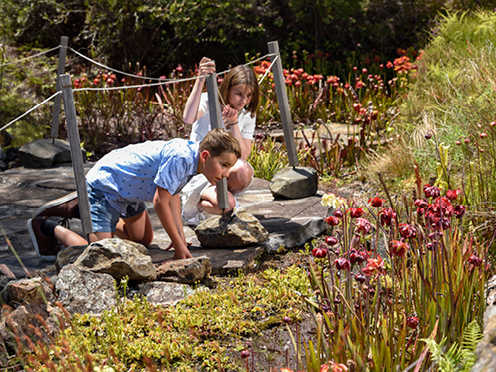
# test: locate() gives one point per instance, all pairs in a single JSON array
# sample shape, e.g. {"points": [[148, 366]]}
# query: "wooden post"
{"points": [[282, 99], [217, 122], [60, 70], [76, 156]]}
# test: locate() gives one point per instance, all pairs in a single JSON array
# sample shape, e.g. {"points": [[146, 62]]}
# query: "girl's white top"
{"points": [[202, 126]]}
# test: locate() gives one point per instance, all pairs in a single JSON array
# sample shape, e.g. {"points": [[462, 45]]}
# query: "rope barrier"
{"points": [[151, 78], [113, 70], [27, 112], [268, 70], [34, 55], [161, 81]]}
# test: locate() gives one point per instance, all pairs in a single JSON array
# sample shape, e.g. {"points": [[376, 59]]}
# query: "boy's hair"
{"points": [[219, 140], [242, 75]]}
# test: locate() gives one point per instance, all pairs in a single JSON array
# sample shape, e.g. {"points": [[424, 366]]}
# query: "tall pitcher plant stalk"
{"points": [[382, 285]]}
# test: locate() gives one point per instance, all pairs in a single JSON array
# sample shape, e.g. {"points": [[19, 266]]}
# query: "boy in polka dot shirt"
{"points": [[122, 181]]}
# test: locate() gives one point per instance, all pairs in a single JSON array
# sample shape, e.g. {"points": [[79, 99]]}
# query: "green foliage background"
{"points": [[163, 33]]}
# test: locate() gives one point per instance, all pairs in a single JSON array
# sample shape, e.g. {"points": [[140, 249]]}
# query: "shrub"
{"points": [[454, 97]]}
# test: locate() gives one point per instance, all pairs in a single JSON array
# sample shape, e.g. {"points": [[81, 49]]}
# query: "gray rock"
{"points": [[486, 349], [118, 258], [294, 183], [83, 291], [237, 230], [163, 293], [188, 271], [311, 229], [46, 153], [68, 256]]}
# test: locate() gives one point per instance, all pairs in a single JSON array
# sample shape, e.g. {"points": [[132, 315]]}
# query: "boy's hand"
{"points": [[182, 253]]}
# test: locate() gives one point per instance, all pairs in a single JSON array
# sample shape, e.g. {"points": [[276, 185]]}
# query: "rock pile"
{"points": [[86, 283]]}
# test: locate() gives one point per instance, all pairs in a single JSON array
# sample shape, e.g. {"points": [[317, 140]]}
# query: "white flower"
{"points": [[332, 201]]}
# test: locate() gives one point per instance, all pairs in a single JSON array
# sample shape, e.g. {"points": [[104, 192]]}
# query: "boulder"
{"points": [[162, 293], [118, 258], [46, 152], [311, 229], [294, 183], [188, 271], [30, 291], [23, 320], [83, 291], [69, 255], [237, 230]]}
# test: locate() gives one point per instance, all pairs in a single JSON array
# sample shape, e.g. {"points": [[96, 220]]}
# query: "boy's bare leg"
{"points": [[137, 229]]}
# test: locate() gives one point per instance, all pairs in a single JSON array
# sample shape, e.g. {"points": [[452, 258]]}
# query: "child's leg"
{"points": [[137, 228], [208, 202], [67, 237]]}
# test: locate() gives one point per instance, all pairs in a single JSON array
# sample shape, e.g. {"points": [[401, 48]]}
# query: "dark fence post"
{"points": [[57, 102], [217, 122], [76, 155], [282, 99]]}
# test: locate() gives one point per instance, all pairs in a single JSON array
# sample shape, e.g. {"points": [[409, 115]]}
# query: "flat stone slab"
{"points": [[23, 190]]}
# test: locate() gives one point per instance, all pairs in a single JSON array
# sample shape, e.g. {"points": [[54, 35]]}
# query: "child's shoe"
{"points": [[45, 246], [61, 207]]}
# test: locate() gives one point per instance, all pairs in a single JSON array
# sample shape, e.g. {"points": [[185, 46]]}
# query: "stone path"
{"points": [[22, 190]]}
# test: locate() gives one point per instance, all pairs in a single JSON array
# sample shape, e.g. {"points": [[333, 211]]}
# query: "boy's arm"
{"points": [[166, 207]]}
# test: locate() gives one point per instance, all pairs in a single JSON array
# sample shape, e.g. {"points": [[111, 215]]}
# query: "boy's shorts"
{"points": [[104, 217]]}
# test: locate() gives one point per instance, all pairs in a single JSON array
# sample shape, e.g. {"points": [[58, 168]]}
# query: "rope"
{"points": [[268, 69], [119, 72], [161, 81], [164, 82], [34, 55], [27, 112]]}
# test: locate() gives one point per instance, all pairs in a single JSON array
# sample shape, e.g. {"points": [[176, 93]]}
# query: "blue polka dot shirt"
{"points": [[130, 175]]}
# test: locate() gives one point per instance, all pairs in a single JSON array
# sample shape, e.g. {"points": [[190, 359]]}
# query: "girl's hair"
{"points": [[242, 75]]}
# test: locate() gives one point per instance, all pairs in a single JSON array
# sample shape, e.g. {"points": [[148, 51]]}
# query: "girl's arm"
{"points": [[245, 143], [165, 206], [191, 112], [230, 116]]}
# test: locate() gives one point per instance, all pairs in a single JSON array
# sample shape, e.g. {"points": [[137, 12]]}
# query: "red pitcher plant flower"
{"points": [[475, 260], [332, 221], [331, 240], [342, 264], [319, 252], [412, 322], [399, 248], [453, 194], [408, 231], [363, 225], [376, 202], [355, 212], [374, 266], [387, 216], [431, 191]]}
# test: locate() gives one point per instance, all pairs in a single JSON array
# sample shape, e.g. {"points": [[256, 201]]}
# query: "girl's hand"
{"points": [[206, 67], [230, 115]]}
